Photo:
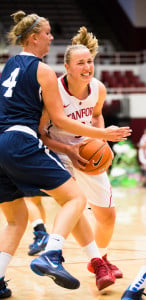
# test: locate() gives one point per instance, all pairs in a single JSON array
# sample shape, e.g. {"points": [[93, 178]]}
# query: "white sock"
{"points": [[4, 261], [55, 242], [103, 251], [37, 222], [140, 280], [92, 250]]}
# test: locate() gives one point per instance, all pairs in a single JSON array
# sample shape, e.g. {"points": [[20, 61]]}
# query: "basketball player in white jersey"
{"points": [[142, 157], [83, 98]]}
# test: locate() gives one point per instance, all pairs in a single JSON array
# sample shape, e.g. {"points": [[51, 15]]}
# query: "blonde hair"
{"points": [[87, 39], [82, 40], [25, 24]]}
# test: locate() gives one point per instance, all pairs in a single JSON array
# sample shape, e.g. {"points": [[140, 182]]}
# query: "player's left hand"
{"points": [[73, 153]]}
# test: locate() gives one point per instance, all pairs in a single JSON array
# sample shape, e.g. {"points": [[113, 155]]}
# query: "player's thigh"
{"points": [[68, 191], [37, 200], [15, 211]]}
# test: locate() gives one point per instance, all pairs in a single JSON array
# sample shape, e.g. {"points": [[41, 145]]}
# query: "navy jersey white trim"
{"points": [[26, 166], [20, 101]]}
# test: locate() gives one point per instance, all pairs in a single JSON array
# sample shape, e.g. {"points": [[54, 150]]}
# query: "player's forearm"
{"points": [[112, 133], [53, 144], [78, 128], [98, 122]]}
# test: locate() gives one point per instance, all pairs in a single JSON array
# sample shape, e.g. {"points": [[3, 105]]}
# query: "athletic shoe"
{"points": [[133, 295], [36, 236], [4, 291], [50, 264], [115, 271], [40, 242], [104, 276]]}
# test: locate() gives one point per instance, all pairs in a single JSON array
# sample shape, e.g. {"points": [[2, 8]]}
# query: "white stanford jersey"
{"points": [[142, 151], [80, 110]]}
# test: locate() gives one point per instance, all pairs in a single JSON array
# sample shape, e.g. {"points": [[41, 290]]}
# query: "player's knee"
{"points": [[110, 219], [107, 218], [81, 202], [21, 223]]}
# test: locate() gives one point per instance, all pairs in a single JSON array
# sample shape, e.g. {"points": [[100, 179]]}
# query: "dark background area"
{"points": [[105, 18]]}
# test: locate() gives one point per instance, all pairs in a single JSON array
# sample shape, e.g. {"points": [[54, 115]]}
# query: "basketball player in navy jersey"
{"points": [[27, 167], [83, 97]]}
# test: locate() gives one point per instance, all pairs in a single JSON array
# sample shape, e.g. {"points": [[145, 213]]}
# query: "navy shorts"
{"points": [[26, 166]]}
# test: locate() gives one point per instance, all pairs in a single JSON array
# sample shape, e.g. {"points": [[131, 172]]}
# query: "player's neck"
{"points": [[32, 50], [78, 90]]}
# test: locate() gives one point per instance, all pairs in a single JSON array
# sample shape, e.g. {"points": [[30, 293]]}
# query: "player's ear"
{"points": [[33, 37], [66, 66]]}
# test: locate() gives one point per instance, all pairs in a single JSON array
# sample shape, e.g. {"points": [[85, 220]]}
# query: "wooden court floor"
{"points": [[127, 250]]}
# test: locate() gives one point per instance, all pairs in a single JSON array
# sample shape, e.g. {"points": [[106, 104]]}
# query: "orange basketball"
{"points": [[98, 153]]}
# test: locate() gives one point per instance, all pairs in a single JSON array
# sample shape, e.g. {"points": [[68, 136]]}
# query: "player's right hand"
{"points": [[116, 134]]}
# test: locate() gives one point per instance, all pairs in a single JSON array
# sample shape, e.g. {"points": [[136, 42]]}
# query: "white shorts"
{"points": [[97, 188]]}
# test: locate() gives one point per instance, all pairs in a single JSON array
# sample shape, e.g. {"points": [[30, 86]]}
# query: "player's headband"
{"points": [[28, 29]]}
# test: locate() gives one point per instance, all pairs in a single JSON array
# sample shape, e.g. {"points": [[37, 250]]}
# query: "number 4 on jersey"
{"points": [[10, 83]]}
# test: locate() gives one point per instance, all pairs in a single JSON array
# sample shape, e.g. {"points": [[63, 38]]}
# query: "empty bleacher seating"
{"points": [[118, 79]]}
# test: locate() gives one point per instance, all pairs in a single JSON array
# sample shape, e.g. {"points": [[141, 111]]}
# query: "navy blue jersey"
{"points": [[20, 93], [26, 165]]}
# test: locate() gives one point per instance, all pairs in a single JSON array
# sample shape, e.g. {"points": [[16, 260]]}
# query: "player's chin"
{"points": [[46, 50]]}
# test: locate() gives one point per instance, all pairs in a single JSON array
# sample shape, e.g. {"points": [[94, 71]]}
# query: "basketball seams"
{"points": [[94, 152], [97, 150], [100, 160], [100, 166], [88, 142]]}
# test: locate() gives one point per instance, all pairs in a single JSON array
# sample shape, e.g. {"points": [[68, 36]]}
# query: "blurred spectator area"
{"points": [[106, 55]]}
